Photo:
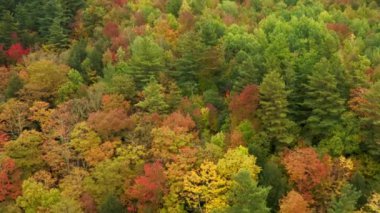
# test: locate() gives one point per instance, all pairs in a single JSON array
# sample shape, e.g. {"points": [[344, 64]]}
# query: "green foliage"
{"points": [[246, 196], [324, 100], [346, 201], [154, 99], [147, 60], [111, 205], [26, 151], [273, 111]]}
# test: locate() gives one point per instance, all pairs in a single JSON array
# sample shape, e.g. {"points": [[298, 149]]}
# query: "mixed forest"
{"points": [[204, 106]]}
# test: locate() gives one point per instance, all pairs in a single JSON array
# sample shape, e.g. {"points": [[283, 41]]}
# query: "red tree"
{"points": [[111, 30], [244, 105], [16, 52], [10, 180], [149, 188], [179, 122], [306, 169]]}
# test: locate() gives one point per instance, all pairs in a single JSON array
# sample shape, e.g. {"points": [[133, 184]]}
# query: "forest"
{"points": [[198, 106]]}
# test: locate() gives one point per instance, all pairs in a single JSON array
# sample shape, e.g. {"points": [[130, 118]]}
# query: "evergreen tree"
{"points": [[273, 111], [346, 201], [14, 85], [58, 38], [324, 101], [111, 205], [189, 62], [154, 98], [244, 71], [173, 6], [77, 55], [146, 61], [246, 196], [8, 29]]}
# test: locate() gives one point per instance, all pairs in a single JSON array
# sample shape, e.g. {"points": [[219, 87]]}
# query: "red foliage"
{"points": [[139, 18], [341, 29], [306, 169], [121, 2], [88, 203], [10, 180], [179, 122], [244, 105], [4, 137], [16, 52], [236, 139], [111, 30], [108, 122], [149, 189]]}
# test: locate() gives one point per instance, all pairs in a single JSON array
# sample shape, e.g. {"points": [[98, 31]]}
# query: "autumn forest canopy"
{"points": [[199, 106]]}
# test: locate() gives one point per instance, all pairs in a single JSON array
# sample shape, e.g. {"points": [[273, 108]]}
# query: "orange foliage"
{"points": [[10, 180], [179, 123], [294, 203], [306, 169], [244, 105]]}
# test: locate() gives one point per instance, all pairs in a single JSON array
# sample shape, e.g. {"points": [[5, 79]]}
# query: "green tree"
{"points": [[36, 197], [26, 151], [154, 98], [246, 196], [111, 205], [70, 88], [57, 37], [346, 201], [273, 110], [173, 6], [147, 60], [189, 63], [324, 101]]}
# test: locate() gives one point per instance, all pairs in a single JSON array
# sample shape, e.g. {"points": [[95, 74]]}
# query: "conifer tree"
{"points": [[58, 38], [346, 201], [154, 98], [146, 61], [323, 99], [273, 111], [246, 196]]}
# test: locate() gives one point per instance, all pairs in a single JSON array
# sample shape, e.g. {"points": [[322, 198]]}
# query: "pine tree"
{"points": [[273, 111], [246, 196], [323, 99], [346, 201], [111, 205], [57, 37], [189, 63], [146, 61], [244, 71], [8, 28], [154, 98]]}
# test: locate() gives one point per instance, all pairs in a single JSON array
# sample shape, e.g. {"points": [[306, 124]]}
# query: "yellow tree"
{"points": [[205, 188]]}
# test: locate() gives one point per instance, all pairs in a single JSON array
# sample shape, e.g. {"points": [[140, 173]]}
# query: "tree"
{"points": [[154, 98], [109, 176], [246, 196], [306, 169], [166, 143], [10, 180], [26, 151], [244, 105], [324, 100], [149, 189], [71, 87], [14, 116], [236, 160], [274, 177], [346, 201], [111, 205], [189, 62], [205, 188], [147, 60], [83, 138], [44, 79], [273, 110], [36, 197], [57, 37], [293, 202]]}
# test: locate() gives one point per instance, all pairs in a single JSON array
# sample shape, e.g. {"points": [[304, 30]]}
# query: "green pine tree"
{"points": [[154, 98], [324, 101], [147, 60], [111, 205], [273, 111], [57, 37], [246, 196], [346, 201]]}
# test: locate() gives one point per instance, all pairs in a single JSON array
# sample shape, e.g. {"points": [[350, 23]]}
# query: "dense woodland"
{"points": [[170, 106]]}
